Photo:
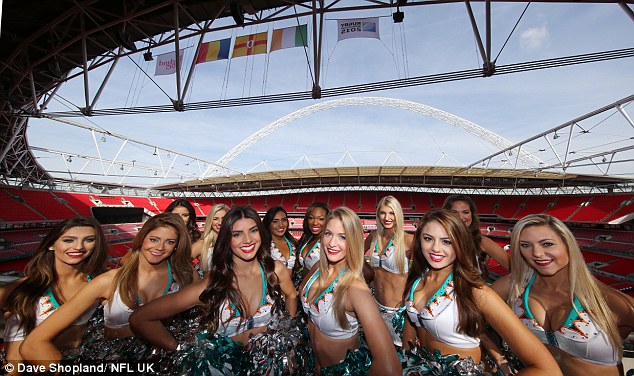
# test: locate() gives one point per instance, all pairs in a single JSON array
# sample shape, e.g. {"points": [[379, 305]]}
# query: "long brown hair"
{"points": [[41, 273], [474, 228], [180, 259], [466, 276], [268, 219], [192, 226], [220, 286]]}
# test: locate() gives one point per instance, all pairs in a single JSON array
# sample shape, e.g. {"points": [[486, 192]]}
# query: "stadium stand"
{"points": [[565, 206], [240, 201], [486, 204], [45, 203], [509, 205], [596, 209], [14, 208], [533, 205], [80, 202], [141, 202], [336, 199], [367, 202]]}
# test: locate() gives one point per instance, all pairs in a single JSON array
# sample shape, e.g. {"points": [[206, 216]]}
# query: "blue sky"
{"points": [[431, 40]]}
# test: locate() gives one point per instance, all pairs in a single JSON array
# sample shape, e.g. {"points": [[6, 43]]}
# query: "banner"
{"points": [[358, 28], [289, 37], [166, 63], [212, 51], [251, 44]]}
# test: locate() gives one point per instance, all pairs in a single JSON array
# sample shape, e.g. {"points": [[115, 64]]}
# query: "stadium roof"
{"points": [[394, 176], [41, 43]]}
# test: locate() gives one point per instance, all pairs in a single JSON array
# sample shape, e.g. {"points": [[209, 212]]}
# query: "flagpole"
{"points": [[194, 60], [316, 93], [178, 104]]}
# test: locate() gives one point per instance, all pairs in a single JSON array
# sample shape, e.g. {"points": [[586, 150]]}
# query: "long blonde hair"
{"points": [[399, 232], [354, 260], [209, 237], [582, 284]]}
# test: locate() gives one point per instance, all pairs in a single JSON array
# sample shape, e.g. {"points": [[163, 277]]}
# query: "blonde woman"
{"points": [[210, 234], [581, 321], [390, 252], [338, 301], [160, 263]]}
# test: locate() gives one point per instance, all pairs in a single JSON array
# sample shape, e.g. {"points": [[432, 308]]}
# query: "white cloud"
{"points": [[534, 38]]}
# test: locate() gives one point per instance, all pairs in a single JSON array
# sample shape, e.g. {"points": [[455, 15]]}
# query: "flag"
{"points": [[289, 37], [212, 51], [251, 44], [166, 63], [358, 28]]}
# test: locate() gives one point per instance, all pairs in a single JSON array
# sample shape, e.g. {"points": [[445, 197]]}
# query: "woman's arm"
{"points": [[368, 240], [38, 347], [125, 259], [622, 307], [6, 290], [493, 250], [410, 338], [496, 353], [286, 284], [409, 244], [197, 248], [384, 358], [502, 287], [146, 320], [530, 351]]}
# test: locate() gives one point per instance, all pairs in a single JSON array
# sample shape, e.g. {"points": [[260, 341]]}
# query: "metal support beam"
{"points": [[84, 51], [627, 9], [178, 105]]}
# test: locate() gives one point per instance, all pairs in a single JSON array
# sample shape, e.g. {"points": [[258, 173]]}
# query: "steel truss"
{"points": [[86, 35]]}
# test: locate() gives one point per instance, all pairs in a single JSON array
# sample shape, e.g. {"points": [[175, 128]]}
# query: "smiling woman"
{"points": [[238, 297], [159, 265], [581, 321], [448, 304], [338, 303], [68, 258], [309, 243]]}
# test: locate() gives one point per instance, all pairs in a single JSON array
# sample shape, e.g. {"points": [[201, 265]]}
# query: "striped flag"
{"points": [[251, 44], [289, 37], [212, 51]]}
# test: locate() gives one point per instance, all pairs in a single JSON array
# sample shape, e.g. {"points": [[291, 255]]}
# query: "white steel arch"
{"points": [[493, 138]]}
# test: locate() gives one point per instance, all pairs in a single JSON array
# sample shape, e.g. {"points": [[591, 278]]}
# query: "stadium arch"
{"points": [[484, 134]]}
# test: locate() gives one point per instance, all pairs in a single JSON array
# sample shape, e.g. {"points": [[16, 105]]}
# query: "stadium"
{"points": [[560, 142]]}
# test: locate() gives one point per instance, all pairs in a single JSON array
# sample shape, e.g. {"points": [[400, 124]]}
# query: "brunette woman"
{"points": [[449, 304], [68, 258], [160, 264], [237, 295]]}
